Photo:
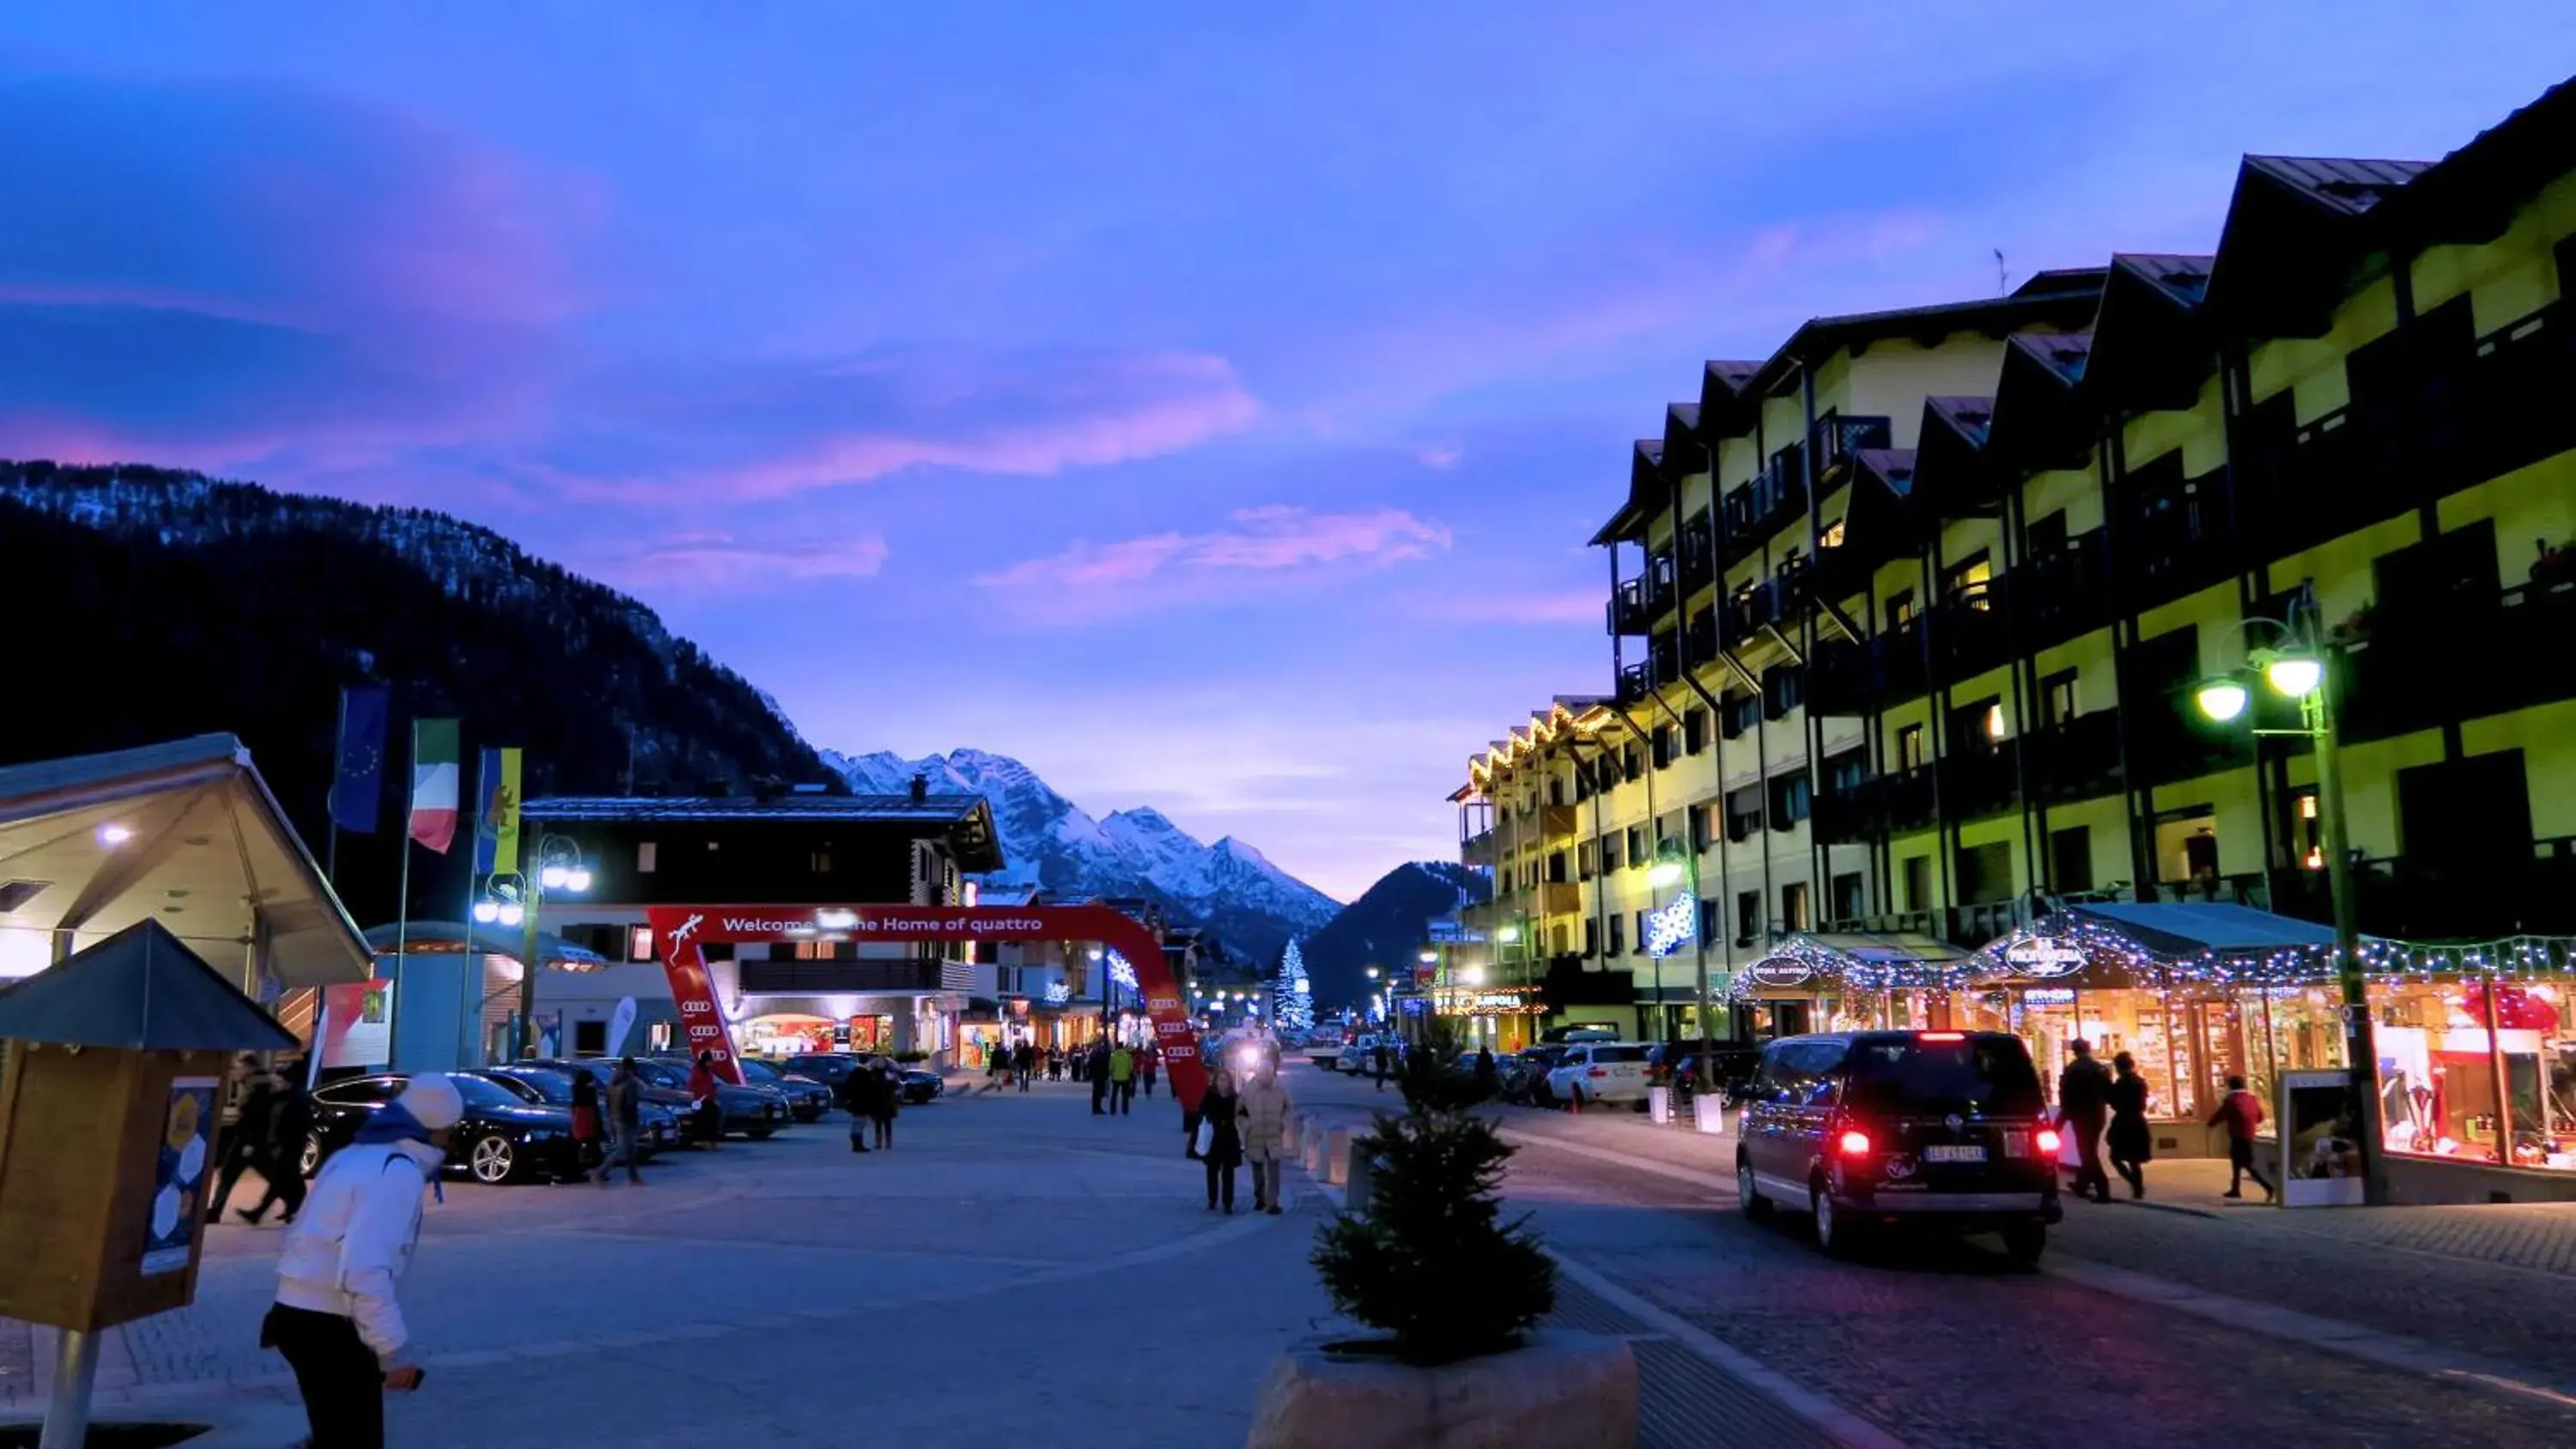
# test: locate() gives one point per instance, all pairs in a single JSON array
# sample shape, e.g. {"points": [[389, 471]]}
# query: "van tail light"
{"points": [[1854, 1143], [2045, 1139], [1596, 1072]]}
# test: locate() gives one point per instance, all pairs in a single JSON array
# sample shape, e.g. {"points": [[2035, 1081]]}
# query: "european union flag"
{"points": [[358, 779]]}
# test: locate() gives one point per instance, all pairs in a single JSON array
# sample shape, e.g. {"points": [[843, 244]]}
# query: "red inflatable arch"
{"points": [[682, 932]]}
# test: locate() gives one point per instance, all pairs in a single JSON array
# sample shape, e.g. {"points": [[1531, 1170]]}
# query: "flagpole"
{"points": [[472, 1012], [402, 899], [330, 804]]}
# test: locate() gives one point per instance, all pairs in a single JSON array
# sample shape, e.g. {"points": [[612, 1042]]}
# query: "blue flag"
{"points": [[358, 777]]}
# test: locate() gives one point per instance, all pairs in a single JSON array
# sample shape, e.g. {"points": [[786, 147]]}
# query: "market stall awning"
{"points": [[448, 938], [184, 833], [1836, 960]]}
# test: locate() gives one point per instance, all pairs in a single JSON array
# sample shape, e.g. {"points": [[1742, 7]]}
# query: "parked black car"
{"points": [[1526, 1081], [550, 1087], [807, 1099], [754, 1110], [920, 1086], [828, 1068], [1864, 1131], [501, 1137]]}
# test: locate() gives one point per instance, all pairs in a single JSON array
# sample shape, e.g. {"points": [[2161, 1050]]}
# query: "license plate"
{"points": [[1968, 1153]]}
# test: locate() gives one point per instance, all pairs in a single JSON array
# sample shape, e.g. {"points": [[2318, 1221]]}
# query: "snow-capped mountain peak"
{"points": [[1049, 841]]}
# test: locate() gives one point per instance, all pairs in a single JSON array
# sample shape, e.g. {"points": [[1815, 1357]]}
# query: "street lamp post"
{"points": [[559, 867], [2304, 668]]}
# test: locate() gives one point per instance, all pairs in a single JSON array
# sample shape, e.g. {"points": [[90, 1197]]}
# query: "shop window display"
{"points": [[2452, 1086]]}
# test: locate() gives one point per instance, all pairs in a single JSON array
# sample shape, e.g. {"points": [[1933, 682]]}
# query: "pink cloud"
{"points": [[720, 562], [1164, 568]]}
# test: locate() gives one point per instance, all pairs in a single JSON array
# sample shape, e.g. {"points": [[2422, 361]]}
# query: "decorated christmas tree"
{"points": [[1293, 996]]}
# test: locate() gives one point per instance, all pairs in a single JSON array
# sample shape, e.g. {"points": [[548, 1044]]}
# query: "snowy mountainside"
{"points": [[1049, 841]]}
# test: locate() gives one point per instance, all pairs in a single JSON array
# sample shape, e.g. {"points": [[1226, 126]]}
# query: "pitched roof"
{"points": [[141, 989], [2350, 185]]}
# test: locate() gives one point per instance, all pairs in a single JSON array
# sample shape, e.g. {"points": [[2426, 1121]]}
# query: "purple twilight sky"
{"points": [[1206, 404]]}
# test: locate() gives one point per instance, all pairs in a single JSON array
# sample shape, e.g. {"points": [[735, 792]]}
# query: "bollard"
{"points": [[1337, 1156], [1355, 1197], [1711, 1110], [1659, 1104], [1293, 1133], [1311, 1156]]}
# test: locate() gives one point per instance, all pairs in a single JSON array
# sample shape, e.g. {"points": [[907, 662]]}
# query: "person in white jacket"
{"points": [[335, 1320]]}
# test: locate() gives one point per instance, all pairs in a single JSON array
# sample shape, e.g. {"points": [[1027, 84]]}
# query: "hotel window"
{"points": [[1703, 827], [1694, 731], [1971, 582], [1793, 907], [2306, 829], [1663, 746], [1849, 890], [1586, 859], [2057, 699], [1708, 920], [1791, 797], [1909, 749], [639, 943], [1833, 535], [644, 854], [1591, 938], [1784, 689], [1742, 712], [1618, 935], [1632, 762], [1636, 845], [2047, 535], [1645, 935], [1900, 609], [1610, 852], [1748, 917]]}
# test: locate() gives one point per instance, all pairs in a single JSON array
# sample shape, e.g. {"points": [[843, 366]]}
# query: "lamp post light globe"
{"points": [[1429, 958], [1509, 935], [487, 910], [511, 913], [1372, 973], [2221, 699], [2294, 675], [1666, 874], [553, 876]]}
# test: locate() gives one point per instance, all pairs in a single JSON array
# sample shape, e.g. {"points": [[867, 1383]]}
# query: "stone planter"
{"points": [[1560, 1391], [1710, 1110]]}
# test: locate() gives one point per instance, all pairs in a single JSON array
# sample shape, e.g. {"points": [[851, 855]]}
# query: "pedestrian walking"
{"points": [[1224, 1134], [1122, 1078], [336, 1320], [2130, 1145], [1149, 1062], [1379, 1060], [704, 1104], [858, 1098], [2083, 1106], [2240, 1112], [588, 1132], [281, 1161], [625, 1103], [1096, 1067], [1262, 1109], [885, 1100], [247, 1144], [1486, 1079], [1024, 1060]]}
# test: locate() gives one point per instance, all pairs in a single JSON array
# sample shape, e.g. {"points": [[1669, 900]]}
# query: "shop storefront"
{"points": [[2473, 1046], [1846, 982], [1501, 1019]]}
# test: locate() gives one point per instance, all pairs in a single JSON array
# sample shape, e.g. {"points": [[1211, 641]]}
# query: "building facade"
{"points": [[1908, 618]]}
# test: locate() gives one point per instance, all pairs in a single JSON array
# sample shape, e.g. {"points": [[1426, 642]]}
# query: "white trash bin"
{"points": [[1659, 1104]]}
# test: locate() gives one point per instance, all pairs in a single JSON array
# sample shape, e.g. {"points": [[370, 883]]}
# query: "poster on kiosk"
{"points": [[2319, 1154]]}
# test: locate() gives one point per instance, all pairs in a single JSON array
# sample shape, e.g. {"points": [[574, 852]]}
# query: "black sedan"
{"points": [[501, 1137], [552, 1087], [807, 1099], [920, 1086], [752, 1110]]}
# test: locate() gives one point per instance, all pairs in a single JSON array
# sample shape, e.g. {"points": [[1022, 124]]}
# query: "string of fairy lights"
{"points": [[2068, 945]]}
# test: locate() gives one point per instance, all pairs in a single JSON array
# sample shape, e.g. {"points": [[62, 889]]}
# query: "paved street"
{"points": [[2149, 1327], [1015, 1263], [1019, 1266]]}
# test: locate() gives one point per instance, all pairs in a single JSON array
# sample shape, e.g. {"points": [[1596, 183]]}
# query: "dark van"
{"points": [[1868, 1130]]}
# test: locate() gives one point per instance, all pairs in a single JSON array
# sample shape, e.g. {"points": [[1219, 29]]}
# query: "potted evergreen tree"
{"points": [[1454, 1292]]}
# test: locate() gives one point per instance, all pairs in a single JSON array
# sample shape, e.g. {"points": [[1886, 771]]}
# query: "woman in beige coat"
{"points": [[1263, 1111]]}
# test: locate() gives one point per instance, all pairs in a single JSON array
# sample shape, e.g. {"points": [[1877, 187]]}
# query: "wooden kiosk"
{"points": [[110, 1104]]}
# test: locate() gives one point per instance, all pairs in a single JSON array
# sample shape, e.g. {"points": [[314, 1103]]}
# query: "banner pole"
{"points": [[469, 1009], [402, 911]]}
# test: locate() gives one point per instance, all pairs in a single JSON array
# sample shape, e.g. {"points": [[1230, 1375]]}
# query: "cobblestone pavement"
{"points": [[1017, 1266], [1946, 1344]]}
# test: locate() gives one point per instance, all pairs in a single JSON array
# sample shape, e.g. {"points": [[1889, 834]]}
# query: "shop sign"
{"points": [[2045, 958], [1780, 973], [2049, 996], [1459, 1001]]}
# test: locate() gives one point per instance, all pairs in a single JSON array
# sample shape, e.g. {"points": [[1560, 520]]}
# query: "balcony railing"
{"points": [[1973, 633], [1698, 554], [2173, 532], [1636, 682], [1757, 510], [2062, 593], [1980, 779], [2479, 656], [1837, 438], [1477, 849], [2521, 375], [1637, 603], [2075, 759]]}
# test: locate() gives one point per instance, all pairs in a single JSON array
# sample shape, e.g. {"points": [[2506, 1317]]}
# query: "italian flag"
{"points": [[433, 783]]}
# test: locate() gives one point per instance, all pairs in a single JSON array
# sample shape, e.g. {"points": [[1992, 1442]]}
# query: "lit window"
{"points": [[644, 857], [2307, 807], [1832, 537], [639, 943], [1995, 721]]}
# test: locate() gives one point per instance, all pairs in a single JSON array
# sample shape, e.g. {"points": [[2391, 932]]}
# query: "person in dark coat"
{"points": [[885, 1099], [2129, 1145], [1486, 1078], [858, 1098], [623, 1106], [2084, 1105], [247, 1145], [1225, 1139], [1096, 1070], [281, 1159]]}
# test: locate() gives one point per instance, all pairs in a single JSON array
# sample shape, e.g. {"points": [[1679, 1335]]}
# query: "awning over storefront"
{"points": [[448, 938], [2203, 939], [186, 834], [1807, 963]]}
